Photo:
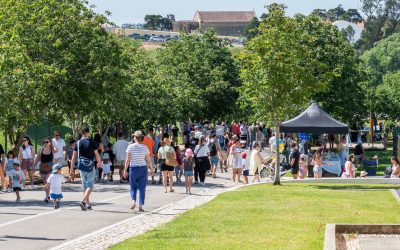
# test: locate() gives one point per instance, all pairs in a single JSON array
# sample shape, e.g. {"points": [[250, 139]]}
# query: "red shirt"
{"points": [[236, 129]]}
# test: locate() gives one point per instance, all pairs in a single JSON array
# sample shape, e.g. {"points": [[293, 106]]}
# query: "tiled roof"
{"points": [[226, 16]]}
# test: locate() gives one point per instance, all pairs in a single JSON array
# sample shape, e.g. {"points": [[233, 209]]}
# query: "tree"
{"points": [[71, 61], [332, 50], [279, 72], [321, 13], [353, 16], [252, 28], [202, 74], [382, 21], [382, 63], [336, 13], [388, 97], [157, 22], [348, 33]]}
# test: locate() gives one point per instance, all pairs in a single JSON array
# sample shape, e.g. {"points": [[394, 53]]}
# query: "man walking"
{"points": [[61, 154], [84, 152], [294, 159], [119, 150]]}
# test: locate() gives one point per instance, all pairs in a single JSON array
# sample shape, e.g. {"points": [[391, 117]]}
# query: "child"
{"points": [[179, 168], [9, 166], [106, 167], [18, 178], [54, 183], [303, 166], [188, 165], [246, 168]]}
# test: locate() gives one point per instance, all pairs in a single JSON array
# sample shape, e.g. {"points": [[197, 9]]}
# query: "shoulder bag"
{"points": [[170, 159]]}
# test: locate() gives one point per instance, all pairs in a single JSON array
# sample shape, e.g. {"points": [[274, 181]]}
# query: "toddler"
{"points": [[188, 167], [106, 167], [54, 182], [18, 178], [9, 166], [246, 168]]}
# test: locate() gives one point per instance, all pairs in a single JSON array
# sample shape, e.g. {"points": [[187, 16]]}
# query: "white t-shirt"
{"points": [[138, 154], [202, 151], [55, 181], [59, 145], [119, 149], [26, 153]]}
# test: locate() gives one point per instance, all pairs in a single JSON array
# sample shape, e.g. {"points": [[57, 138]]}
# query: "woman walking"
{"points": [[138, 160], [236, 153], [45, 159], [26, 156], [203, 163], [166, 155]]}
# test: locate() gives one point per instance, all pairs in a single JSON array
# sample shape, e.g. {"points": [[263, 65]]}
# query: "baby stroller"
{"points": [[269, 169]]}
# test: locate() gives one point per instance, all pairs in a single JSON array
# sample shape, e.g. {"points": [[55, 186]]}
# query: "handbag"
{"points": [[84, 164], [170, 159], [45, 167]]}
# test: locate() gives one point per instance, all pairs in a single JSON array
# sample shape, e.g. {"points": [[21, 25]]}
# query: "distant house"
{"points": [[225, 23]]}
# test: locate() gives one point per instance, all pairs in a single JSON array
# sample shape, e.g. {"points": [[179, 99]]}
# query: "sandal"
{"points": [[171, 191]]}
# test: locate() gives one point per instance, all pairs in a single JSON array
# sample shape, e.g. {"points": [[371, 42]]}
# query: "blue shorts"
{"points": [[188, 173], [88, 179], [214, 161], [56, 196], [246, 173], [317, 170]]}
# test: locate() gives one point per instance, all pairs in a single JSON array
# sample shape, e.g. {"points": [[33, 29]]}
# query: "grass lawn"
{"points": [[292, 216]]}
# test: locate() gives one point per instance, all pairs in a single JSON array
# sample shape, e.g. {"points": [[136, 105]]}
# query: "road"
{"points": [[33, 224]]}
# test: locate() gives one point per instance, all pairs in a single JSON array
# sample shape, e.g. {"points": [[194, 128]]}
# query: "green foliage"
{"points": [[279, 71], [388, 97], [252, 28], [382, 21], [157, 22], [331, 49], [383, 64], [201, 76], [338, 13]]}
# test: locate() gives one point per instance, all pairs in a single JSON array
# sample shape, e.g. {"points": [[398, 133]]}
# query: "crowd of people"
{"points": [[204, 150]]}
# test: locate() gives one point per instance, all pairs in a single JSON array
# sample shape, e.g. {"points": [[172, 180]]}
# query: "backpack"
{"points": [[213, 149], [388, 172]]}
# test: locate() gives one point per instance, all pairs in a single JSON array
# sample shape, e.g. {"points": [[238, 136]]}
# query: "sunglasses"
{"points": [[45, 142]]}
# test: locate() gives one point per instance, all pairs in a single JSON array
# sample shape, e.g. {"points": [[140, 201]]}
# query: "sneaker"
{"points": [[141, 209], [18, 199], [202, 183], [32, 187], [133, 206], [153, 182], [82, 205], [89, 207], [196, 182], [111, 179], [46, 200], [9, 190]]}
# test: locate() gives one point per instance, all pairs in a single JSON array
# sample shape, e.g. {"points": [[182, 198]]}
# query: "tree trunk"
{"points": [[277, 165], [77, 123]]}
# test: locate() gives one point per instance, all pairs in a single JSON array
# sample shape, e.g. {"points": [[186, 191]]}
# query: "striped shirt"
{"points": [[138, 154]]}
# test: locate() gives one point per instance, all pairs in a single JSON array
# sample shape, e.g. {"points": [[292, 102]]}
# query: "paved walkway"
{"points": [[33, 224]]}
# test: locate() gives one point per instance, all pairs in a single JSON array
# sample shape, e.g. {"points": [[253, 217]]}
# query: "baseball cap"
{"points": [[56, 167], [16, 162]]}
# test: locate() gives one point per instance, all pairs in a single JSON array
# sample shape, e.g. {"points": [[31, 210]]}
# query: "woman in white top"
{"points": [[349, 169], [138, 160], [236, 156], [256, 161], [202, 162], [26, 156]]}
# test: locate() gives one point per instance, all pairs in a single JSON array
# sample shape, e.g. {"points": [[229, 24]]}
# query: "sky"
{"points": [[133, 11]]}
